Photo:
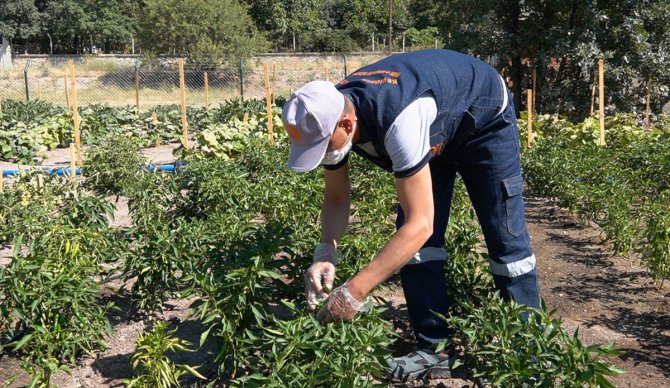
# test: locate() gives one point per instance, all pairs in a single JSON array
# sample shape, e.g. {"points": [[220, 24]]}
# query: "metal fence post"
{"points": [[346, 70], [25, 78], [242, 78], [137, 85]]}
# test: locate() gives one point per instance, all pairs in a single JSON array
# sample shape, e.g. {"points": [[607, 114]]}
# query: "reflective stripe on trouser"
{"points": [[429, 254], [490, 167]]}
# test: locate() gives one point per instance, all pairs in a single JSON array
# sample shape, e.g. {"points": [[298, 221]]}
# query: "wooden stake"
{"points": [[274, 78], [245, 119], [154, 121], [182, 89], [601, 98], [534, 79], [206, 91], [268, 104], [67, 93], [2, 182], [325, 71], [137, 91], [40, 182], [648, 112], [529, 106], [75, 111], [73, 168]]}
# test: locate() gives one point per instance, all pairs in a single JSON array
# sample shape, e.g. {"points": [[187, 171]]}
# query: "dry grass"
{"points": [[110, 82], [116, 96]]}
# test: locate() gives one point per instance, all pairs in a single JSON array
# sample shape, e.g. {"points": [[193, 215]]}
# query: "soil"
{"points": [[609, 298]]}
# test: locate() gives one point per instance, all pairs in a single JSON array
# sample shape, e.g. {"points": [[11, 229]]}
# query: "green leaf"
{"points": [[22, 342]]}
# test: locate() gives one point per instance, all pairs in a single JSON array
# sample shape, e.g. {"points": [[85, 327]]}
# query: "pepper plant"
{"points": [[152, 366], [507, 344], [51, 312], [302, 352], [621, 187], [114, 166]]}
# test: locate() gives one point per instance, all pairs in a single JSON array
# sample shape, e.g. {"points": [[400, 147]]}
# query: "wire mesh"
{"points": [[123, 83]]}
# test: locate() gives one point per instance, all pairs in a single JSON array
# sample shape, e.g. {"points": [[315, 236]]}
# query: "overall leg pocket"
{"points": [[514, 208]]}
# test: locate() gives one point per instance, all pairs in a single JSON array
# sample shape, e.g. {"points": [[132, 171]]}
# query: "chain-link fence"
{"points": [[120, 83]]}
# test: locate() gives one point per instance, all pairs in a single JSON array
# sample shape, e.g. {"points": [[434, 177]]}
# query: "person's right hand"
{"points": [[320, 276]]}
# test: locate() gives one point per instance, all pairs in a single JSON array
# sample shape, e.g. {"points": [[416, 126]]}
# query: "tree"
{"points": [[19, 19], [111, 22], [65, 23], [205, 30], [562, 41], [423, 39], [327, 25], [634, 37], [70, 26], [282, 19], [424, 13], [363, 18]]}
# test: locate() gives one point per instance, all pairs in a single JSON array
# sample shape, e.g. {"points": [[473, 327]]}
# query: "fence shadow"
{"points": [[167, 79]]}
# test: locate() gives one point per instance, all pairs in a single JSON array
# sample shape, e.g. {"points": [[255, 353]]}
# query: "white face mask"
{"points": [[336, 156]]}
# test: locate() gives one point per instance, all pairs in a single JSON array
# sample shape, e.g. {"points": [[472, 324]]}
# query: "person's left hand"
{"points": [[340, 306]]}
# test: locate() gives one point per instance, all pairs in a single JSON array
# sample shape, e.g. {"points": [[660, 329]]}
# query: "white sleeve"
{"points": [[408, 139]]}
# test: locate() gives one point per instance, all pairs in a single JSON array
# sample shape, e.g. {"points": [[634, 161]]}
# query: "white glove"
{"points": [[321, 274], [341, 306]]}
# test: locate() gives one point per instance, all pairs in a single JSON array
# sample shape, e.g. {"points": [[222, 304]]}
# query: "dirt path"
{"points": [[608, 297]]}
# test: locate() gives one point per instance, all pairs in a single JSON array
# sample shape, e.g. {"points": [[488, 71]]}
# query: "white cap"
{"points": [[310, 117]]}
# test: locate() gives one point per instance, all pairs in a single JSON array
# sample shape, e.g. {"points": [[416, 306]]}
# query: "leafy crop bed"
{"points": [[234, 231], [28, 128], [623, 187]]}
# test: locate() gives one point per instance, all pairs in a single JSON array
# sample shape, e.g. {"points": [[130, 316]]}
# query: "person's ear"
{"points": [[347, 124]]}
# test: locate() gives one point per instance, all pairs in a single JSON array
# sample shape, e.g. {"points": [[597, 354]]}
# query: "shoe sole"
{"points": [[433, 373]]}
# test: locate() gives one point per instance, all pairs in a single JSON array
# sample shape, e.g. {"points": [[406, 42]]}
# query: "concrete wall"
{"points": [[37, 60], [5, 55]]}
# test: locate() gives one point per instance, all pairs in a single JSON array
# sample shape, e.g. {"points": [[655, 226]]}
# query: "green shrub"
{"points": [[656, 251], [504, 349], [152, 366], [37, 201], [30, 127], [622, 187], [50, 308], [303, 352], [115, 166]]}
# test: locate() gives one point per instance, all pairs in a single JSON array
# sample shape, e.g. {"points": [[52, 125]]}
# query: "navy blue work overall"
{"points": [[471, 136]]}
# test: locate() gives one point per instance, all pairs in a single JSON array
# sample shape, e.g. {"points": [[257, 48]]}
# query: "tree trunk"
{"points": [[517, 69], [564, 59]]}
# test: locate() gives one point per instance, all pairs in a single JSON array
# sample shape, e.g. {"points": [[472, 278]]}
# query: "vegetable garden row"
{"points": [[234, 230], [28, 128], [623, 187]]}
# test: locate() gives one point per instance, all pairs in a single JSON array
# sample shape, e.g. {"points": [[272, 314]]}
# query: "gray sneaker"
{"points": [[422, 365]]}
